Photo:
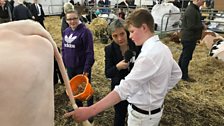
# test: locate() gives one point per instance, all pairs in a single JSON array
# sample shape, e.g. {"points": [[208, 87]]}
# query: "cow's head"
{"points": [[209, 38], [204, 33], [175, 37]]}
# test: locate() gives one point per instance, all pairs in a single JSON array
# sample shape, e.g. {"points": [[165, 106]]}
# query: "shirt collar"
{"points": [[149, 42]]}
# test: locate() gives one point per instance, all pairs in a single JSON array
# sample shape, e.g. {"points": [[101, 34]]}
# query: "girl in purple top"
{"points": [[77, 47]]}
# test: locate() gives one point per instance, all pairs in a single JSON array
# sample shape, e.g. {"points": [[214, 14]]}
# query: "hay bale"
{"points": [[98, 27]]}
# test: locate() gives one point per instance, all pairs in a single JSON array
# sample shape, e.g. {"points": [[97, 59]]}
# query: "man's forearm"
{"points": [[110, 100]]}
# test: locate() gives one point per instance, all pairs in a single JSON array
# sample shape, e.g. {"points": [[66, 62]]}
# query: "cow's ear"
{"points": [[216, 40], [200, 42], [203, 35], [213, 34]]}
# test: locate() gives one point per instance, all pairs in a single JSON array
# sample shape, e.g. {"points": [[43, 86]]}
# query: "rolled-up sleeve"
{"points": [[142, 72], [175, 75]]}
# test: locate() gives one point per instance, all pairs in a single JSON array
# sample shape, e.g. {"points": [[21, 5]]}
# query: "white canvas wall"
{"points": [[143, 2], [53, 7], [113, 2]]}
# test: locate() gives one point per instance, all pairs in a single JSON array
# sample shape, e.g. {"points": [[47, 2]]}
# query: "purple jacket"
{"points": [[77, 48]]}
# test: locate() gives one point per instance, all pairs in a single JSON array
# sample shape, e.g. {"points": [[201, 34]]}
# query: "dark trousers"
{"points": [[57, 72], [186, 56], [41, 21], [120, 113], [73, 72]]}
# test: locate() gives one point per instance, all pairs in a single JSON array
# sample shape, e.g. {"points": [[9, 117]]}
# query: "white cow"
{"points": [[215, 43], [26, 75], [209, 38], [217, 50]]}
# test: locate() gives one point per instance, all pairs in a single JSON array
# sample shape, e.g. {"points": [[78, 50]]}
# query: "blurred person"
{"points": [[155, 72], [64, 24], [126, 4], [116, 67], [101, 3], [121, 14], [104, 4], [72, 2], [191, 31], [91, 2], [5, 11], [107, 3], [11, 2], [77, 47], [27, 4], [182, 4], [21, 12], [209, 3], [37, 12]]}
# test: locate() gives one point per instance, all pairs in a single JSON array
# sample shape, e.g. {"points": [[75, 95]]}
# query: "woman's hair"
{"points": [[69, 8], [117, 23]]}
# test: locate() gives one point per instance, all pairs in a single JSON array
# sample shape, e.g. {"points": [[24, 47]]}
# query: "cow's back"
{"points": [[26, 78]]}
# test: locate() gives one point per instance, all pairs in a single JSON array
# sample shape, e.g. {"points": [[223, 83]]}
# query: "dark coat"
{"points": [[112, 57], [21, 12], [6, 12], [191, 24], [34, 12], [64, 25]]}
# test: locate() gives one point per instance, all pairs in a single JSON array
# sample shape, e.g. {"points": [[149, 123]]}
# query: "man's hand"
{"points": [[80, 114]]}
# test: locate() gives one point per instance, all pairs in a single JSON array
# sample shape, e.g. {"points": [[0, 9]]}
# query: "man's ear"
{"points": [[145, 27]]}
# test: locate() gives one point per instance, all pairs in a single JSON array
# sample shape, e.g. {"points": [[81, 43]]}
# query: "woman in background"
{"points": [[77, 47]]}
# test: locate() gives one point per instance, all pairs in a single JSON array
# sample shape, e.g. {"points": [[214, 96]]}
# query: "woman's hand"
{"points": [[122, 65]]}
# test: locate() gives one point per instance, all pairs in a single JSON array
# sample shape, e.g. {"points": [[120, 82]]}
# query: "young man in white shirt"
{"points": [[155, 72]]}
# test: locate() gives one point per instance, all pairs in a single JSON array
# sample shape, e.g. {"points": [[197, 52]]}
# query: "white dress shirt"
{"points": [[154, 73]]}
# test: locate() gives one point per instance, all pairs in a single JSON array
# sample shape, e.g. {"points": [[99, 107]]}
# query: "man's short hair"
{"points": [[140, 16]]}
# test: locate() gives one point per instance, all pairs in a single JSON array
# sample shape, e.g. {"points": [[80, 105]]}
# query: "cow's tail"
{"points": [[65, 77], [30, 27]]}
